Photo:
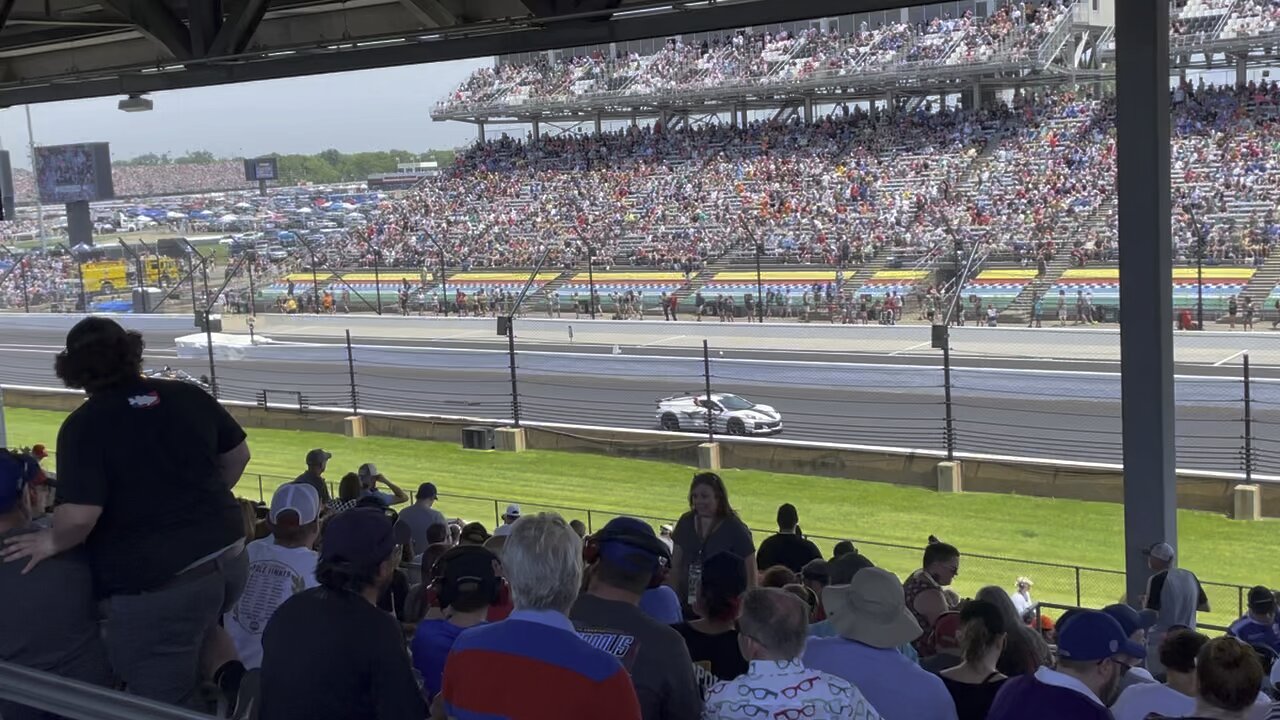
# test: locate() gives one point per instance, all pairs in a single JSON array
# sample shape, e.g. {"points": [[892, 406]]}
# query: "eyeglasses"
{"points": [[804, 686]]}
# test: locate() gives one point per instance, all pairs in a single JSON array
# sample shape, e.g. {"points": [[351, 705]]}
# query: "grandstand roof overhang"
{"points": [[64, 49]]}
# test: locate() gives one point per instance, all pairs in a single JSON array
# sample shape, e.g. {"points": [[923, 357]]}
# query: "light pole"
{"points": [[591, 281], [35, 171]]}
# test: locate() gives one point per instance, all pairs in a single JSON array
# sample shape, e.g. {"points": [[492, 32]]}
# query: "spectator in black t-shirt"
{"points": [[145, 471], [328, 652], [48, 620], [317, 463], [713, 638], [788, 547]]}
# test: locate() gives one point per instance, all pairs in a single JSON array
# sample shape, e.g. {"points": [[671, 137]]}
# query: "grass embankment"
{"points": [[1069, 532]]}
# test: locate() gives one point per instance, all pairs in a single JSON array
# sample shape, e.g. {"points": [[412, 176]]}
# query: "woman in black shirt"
{"points": [[711, 526], [973, 683], [713, 637]]}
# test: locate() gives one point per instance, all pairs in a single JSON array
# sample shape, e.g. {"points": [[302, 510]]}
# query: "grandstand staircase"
{"points": [[1020, 309], [1264, 281], [863, 274]]}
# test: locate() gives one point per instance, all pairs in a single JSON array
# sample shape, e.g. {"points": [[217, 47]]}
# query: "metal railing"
{"points": [[1064, 584], [80, 701]]}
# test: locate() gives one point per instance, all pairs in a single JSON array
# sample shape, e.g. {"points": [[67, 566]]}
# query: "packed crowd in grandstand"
{"points": [[133, 566], [152, 180], [746, 58]]}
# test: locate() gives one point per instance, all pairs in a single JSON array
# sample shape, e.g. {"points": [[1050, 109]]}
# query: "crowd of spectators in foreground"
{"points": [[319, 607]]}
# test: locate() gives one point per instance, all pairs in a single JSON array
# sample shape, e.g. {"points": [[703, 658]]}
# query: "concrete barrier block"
{"points": [[709, 456], [509, 439], [1246, 502], [950, 477], [353, 426]]}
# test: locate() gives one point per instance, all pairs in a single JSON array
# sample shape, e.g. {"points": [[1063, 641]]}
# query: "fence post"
{"points": [[1248, 423], [262, 496], [950, 432], [496, 517], [208, 341], [1078, 593], [511, 360], [1239, 600], [590, 525], [706, 376], [351, 375]]}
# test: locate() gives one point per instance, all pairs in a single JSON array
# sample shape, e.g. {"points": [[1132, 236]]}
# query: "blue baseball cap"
{"points": [[361, 538], [631, 542], [15, 472], [1095, 635], [1131, 620]]}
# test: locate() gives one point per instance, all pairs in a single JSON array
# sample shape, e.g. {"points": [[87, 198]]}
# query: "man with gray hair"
{"points": [[534, 664], [772, 630]]}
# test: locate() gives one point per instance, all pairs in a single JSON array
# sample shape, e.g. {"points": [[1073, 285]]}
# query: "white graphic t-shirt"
{"points": [[275, 575]]}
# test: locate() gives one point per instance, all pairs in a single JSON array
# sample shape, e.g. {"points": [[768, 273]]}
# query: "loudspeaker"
{"points": [[477, 437], [940, 336], [504, 325]]}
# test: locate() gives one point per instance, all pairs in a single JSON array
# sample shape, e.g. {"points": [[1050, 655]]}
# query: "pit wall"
{"points": [[1212, 492]]}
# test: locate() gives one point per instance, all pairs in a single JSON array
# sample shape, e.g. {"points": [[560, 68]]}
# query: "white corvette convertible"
{"points": [[730, 414]]}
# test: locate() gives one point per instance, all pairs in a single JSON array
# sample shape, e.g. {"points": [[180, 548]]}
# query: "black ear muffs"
{"points": [[444, 593]]}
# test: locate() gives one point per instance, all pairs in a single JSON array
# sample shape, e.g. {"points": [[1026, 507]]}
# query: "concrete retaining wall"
{"points": [[1196, 491]]}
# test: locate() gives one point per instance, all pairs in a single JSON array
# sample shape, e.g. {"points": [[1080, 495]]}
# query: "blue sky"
{"points": [[366, 110]]}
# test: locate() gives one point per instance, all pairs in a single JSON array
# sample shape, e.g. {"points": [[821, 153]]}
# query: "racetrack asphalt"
{"points": [[1025, 420]]}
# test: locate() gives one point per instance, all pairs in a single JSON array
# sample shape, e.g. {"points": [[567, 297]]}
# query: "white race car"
{"points": [[731, 414]]}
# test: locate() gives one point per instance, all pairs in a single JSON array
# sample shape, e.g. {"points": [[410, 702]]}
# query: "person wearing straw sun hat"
{"points": [[1021, 596], [871, 620]]}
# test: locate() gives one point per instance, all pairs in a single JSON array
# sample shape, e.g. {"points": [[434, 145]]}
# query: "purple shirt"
{"points": [[1025, 697]]}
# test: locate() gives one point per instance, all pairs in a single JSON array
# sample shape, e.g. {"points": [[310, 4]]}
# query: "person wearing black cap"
{"points": [[48, 620], [145, 472], [317, 462], [422, 515], [625, 558], [1258, 625], [328, 652], [465, 581]]}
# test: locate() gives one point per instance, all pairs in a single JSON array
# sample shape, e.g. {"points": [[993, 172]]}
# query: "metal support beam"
{"points": [[1146, 285], [204, 18], [155, 20], [430, 13], [6, 8], [235, 34]]}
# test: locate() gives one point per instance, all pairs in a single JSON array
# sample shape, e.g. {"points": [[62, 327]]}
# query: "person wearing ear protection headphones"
{"points": [[465, 582], [624, 559]]}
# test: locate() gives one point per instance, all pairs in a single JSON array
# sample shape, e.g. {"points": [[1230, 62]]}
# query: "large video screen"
{"points": [[260, 169], [70, 173]]}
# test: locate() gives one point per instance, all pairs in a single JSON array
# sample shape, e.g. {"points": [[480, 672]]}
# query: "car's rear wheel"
{"points": [[737, 427], [670, 422], [107, 288]]}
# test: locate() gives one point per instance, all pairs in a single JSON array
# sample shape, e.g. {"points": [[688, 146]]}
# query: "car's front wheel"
{"points": [[737, 427], [670, 422]]}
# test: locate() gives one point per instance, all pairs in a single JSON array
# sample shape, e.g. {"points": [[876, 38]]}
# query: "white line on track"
{"points": [[663, 340], [1229, 358], [917, 346]]}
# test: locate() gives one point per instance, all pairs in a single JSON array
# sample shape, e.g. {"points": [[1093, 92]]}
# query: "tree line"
{"points": [[328, 166]]}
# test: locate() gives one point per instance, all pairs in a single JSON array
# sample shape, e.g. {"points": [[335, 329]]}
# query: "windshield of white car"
{"points": [[733, 402]]}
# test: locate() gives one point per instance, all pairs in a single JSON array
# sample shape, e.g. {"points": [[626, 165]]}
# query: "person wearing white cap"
{"points": [[1176, 596], [509, 518], [871, 619], [1021, 596], [280, 566]]}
